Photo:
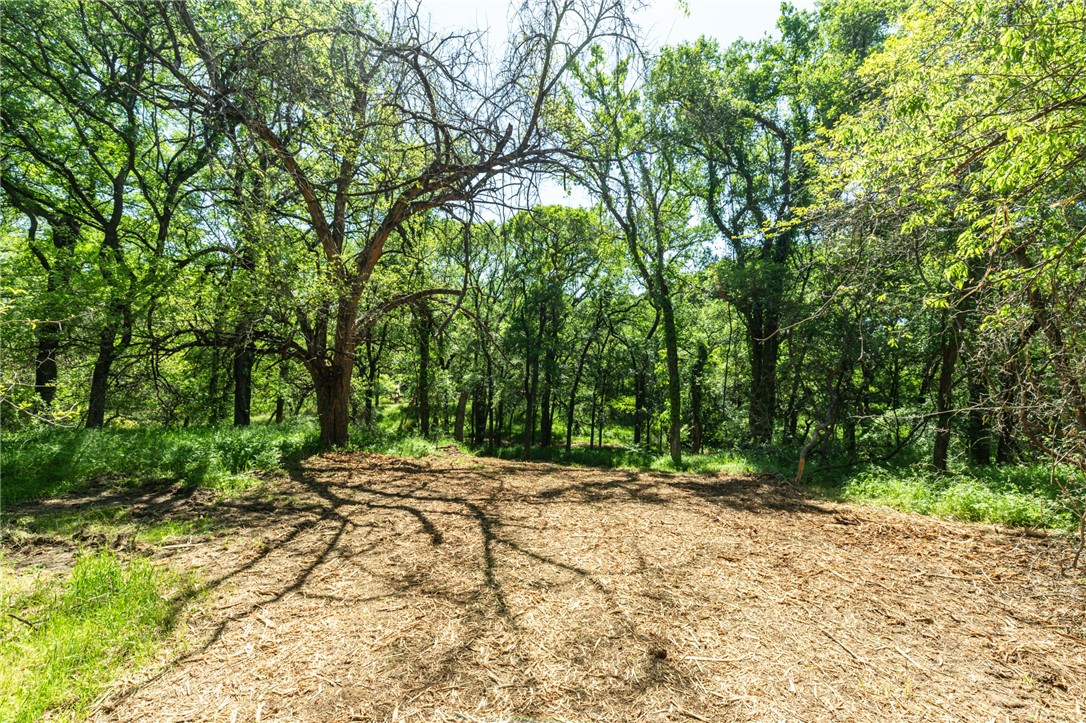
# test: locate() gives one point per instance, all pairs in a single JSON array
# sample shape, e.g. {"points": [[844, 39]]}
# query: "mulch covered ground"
{"points": [[466, 589]]}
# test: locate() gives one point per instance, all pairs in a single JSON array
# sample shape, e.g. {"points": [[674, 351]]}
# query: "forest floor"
{"points": [[455, 588]]}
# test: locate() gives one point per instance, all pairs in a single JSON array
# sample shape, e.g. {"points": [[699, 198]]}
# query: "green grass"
{"points": [[108, 523], [50, 462], [78, 634], [1018, 496], [634, 458]]}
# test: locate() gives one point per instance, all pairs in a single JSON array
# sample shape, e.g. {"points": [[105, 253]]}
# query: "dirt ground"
{"points": [[462, 589]]}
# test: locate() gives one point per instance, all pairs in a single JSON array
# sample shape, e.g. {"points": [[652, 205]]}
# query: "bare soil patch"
{"points": [[464, 589]]}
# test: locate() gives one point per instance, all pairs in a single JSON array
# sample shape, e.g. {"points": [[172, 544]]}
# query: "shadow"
{"points": [[759, 495], [332, 496]]}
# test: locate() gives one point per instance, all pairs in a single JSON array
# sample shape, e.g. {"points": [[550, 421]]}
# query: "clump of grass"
{"points": [[63, 642], [49, 462], [1012, 498]]}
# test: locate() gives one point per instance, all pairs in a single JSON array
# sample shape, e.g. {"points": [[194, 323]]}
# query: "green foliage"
{"points": [[76, 635], [1011, 496], [640, 459], [47, 462]]}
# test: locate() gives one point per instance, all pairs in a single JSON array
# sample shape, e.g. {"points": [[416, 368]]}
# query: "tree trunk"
{"points": [[45, 370], [461, 409], [424, 325], [943, 400], [980, 446], [674, 383], [244, 357], [696, 374], [96, 410], [108, 350], [497, 417], [280, 399], [482, 400], [765, 349], [333, 388], [550, 373], [572, 407], [546, 418]]}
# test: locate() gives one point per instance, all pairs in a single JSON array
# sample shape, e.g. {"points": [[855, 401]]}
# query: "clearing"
{"points": [[456, 588]]}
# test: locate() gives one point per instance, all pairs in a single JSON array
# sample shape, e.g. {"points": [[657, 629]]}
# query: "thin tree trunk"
{"points": [[572, 407], [423, 326], [280, 400], [96, 410], [696, 374], [461, 409], [674, 383], [943, 399]]}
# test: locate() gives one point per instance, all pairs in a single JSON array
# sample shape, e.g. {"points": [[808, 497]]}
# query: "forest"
{"points": [[850, 253]]}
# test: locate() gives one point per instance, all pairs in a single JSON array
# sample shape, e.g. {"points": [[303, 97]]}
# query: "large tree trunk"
{"points": [[696, 374], [65, 234], [45, 370], [765, 349], [980, 445], [333, 388]]}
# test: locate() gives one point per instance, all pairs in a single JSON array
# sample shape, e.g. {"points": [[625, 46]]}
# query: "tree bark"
{"points": [[461, 409], [980, 446], [244, 358], [674, 383], [765, 350], [333, 389], [572, 407], [696, 374], [96, 410], [943, 400], [108, 350]]}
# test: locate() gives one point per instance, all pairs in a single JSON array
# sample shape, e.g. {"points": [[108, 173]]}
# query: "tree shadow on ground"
{"points": [[340, 495]]}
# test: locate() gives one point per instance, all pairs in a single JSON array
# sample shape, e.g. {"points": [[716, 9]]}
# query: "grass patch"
{"points": [[108, 523], [50, 462], [1019, 496], [79, 633], [639, 459]]}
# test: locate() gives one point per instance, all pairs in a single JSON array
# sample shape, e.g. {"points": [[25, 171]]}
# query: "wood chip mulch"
{"points": [[464, 589]]}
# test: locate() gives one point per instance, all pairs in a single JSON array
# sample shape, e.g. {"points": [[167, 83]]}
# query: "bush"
{"points": [[1011, 496], [48, 462]]}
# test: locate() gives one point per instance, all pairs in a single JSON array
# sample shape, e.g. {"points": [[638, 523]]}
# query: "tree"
{"points": [[92, 149], [969, 160], [737, 118], [621, 159], [373, 122]]}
